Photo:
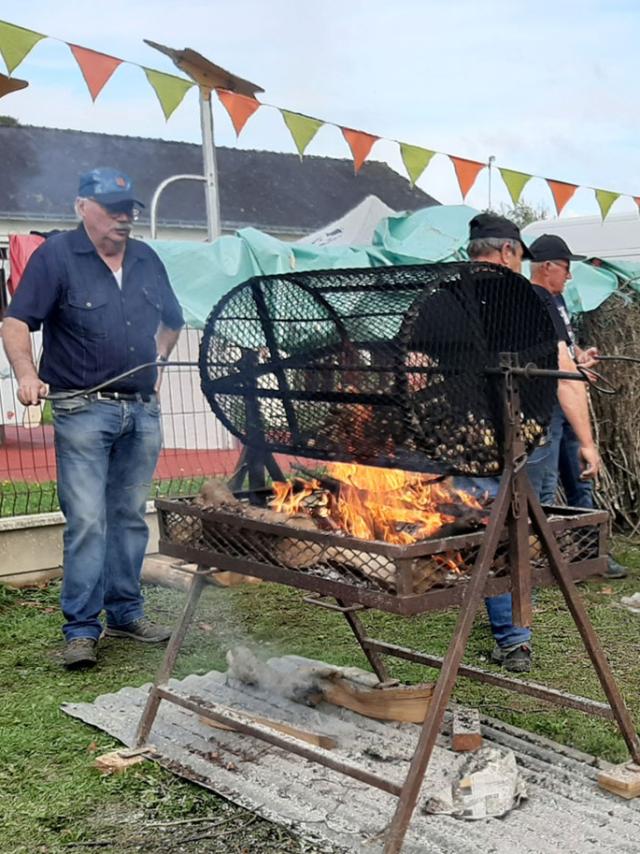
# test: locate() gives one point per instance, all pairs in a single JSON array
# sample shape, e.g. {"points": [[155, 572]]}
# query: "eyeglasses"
{"points": [[118, 209], [563, 265]]}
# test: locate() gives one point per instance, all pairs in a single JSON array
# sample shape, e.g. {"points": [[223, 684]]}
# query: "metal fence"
{"points": [[195, 444]]}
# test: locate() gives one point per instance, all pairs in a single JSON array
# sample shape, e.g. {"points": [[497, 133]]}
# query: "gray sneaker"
{"points": [[516, 659], [79, 653], [144, 630]]}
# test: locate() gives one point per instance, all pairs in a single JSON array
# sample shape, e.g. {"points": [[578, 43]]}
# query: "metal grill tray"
{"points": [[371, 574]]}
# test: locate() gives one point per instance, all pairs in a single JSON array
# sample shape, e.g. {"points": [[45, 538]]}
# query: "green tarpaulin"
{"points": [[201, 273]]}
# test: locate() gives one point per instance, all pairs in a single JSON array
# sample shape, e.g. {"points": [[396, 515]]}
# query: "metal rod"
{"points": [[169, 660], [446, 681], [153, 209], [518, 686], [237, 721], [589, 637], [372, 656], [212, 198]]}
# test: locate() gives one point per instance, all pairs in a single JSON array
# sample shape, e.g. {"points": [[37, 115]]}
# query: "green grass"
{"points": [[21, 498], [52, 800]]}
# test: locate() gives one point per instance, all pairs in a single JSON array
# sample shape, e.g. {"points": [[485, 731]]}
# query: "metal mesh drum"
{"points": [[391, 366]]}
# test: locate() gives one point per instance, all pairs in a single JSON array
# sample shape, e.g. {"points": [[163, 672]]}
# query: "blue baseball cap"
{"points": [[107, 186]]}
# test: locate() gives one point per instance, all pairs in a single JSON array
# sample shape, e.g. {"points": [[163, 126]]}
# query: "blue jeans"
{"points": [[499, 608], [564, 462], [106, 453]]}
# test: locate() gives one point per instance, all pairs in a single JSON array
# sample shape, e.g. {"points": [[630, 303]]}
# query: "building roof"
{"points": [[272, 191]]}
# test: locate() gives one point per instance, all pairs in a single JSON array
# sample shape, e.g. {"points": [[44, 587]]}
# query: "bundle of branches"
{"points": [[614, 327]]}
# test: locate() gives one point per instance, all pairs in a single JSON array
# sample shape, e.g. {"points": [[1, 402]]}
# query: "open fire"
{"points": [[373, 503]]}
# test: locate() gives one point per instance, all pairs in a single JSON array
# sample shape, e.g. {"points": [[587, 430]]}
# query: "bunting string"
{"points": [[97, 68]]}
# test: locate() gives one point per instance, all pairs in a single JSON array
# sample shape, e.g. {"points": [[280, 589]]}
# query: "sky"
{"points": [[547, 88]]}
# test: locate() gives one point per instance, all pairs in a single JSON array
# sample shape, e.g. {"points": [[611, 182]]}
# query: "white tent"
{"points": [[617, 237], [355, 228]]}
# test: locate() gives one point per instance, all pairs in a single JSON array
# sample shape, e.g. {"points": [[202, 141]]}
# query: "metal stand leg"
{"points": [[169, 660], [446, 680], [583, 624], [374, 659]]}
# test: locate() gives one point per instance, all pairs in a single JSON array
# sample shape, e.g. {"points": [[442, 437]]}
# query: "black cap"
{"points": [[488, 224], [550, 247]]}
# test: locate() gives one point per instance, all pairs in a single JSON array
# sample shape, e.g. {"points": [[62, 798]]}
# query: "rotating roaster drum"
{"points": [[391, 366]]}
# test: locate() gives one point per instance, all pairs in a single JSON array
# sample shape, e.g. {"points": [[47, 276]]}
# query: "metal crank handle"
{"points": [[119, 377]]}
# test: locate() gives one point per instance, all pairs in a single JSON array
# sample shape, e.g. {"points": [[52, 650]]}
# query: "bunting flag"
{"points": [[169, 89], [561, 193], [11, 84], [605, 199], [415, 160], [15, 44], [467, 172], [360, 144], [302, 128], [515, 183], [96, 67], [239, 107]]}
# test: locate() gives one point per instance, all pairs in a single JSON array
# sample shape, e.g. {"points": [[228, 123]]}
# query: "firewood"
{"points": [[465, 729], [622, 780], [316, 738], [406, 703], [216, 494]]}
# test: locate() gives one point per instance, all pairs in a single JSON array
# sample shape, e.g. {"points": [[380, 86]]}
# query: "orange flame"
{"points": [[377, 504]]}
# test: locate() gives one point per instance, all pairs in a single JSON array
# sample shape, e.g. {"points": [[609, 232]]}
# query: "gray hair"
{"points": [[488, 245], [535, 266]]}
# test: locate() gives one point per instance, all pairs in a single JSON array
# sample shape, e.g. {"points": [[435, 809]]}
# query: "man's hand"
{"points": [[589, 462], [588, 358], [31, 390]]}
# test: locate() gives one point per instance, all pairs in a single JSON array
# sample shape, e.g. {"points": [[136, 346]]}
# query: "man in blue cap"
{"points": [[105, 306]]}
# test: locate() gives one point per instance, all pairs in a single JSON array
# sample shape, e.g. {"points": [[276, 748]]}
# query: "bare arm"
{"points": [[166, 339], [17, 346], [575, 405]]}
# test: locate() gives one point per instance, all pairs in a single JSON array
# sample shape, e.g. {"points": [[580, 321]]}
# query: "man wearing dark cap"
{"points": [[497, 240], [106, 306], [550, 272]]}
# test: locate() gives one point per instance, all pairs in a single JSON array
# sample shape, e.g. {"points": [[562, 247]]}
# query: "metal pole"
{"points": [[210, 170], [490, 163]]}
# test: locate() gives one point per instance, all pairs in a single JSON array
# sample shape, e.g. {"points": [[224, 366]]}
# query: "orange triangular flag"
{"points": [[96, 67], [561, 193], [467, 172], [360, 144], [239, 107], [636, 199]]}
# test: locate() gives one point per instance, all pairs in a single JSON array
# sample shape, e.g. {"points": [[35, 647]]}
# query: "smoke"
{"points": [[290, 677]]}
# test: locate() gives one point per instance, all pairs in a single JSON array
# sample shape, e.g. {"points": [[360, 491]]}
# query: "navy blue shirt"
{"points": [[93, 329]]}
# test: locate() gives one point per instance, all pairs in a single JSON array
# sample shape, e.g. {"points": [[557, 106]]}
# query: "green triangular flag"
{"points": [[302, 128], [15, 44], [515, 182], [415, 160], [605, 199], [169, 89]]}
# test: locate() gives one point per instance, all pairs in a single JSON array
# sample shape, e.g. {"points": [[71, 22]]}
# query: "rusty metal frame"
{"points": [[514, 506]]}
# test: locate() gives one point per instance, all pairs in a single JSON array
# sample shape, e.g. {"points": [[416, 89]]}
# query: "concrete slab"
{"points": [[565, 812]]}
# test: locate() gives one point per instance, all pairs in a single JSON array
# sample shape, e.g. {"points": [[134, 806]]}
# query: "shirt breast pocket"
{"points": [[152, 309], [88, 315]]}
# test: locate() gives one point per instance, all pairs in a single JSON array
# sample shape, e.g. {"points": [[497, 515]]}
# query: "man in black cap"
{"points": [[497, 240], [106, 306], [550, 272]]}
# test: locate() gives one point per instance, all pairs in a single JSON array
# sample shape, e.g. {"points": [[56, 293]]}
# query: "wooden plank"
{"points": [[318, 739], [406, 703], [465, 729], [117, 761], [622, 780]]}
